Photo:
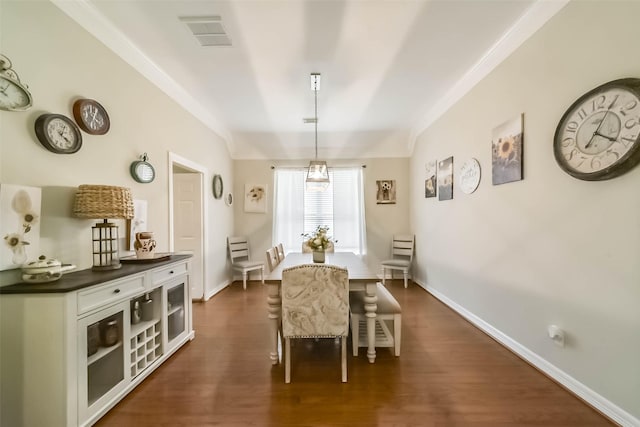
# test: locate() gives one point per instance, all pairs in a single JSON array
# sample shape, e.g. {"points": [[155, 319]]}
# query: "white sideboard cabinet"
{"points": [[71, 349]]}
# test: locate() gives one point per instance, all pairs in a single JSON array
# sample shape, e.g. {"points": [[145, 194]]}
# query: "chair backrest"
{"points": [[272, 258], [315, 301], [402, 246], [280, 252], [238, 249]]}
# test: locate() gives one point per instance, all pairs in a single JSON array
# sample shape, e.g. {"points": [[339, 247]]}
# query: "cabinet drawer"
{"points": [[102, 295], [159, 276]]}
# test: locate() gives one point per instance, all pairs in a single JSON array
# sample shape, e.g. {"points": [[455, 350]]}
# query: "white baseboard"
{"points": [[212, 292], [606, 407]]}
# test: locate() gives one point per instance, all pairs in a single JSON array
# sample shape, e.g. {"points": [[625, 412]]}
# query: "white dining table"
{"points": [[361, 278]]}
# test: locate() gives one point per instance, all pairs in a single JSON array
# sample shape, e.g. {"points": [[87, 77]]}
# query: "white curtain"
{"points": [[340, 207]]}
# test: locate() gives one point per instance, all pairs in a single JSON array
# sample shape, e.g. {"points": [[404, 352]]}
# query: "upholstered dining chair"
{"points": [[241, 259], [401, 256], [315, 304], [272, 258]]}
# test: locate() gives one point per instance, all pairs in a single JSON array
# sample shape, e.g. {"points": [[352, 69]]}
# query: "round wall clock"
{"points": [[58, 133], [469, 176], [142, 171], [14, 96], [228, 199], [598, 137], [91, 116], [217, 186]]}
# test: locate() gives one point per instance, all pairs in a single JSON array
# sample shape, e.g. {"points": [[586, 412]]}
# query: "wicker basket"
{"points": [[103, 201]]}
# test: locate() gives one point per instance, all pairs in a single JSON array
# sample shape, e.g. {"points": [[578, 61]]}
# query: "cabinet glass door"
{"points": [[176, 311], [101, 350]]}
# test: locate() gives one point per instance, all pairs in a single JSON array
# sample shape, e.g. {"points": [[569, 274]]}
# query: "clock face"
{"points": [[91, 116], [57, 133], [599, 135], [217, 186], [13, 96], [142, 172]]}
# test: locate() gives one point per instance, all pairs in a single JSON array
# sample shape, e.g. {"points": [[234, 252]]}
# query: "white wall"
{"points": [[382, 220], [550, 249], [60, 62]]}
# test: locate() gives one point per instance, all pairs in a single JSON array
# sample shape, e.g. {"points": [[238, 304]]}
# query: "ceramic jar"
{"points": [[145, 245]]}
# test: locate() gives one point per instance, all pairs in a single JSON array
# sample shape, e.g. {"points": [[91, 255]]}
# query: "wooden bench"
{"points": [[389, 311]]}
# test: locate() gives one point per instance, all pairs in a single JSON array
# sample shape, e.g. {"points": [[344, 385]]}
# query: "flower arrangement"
{"points": [[318, 240]]}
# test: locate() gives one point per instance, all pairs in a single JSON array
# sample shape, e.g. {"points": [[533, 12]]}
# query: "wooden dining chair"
{"points": [[280, 252], [241, 259], [315, 304], [272, 258], [402, 256]]}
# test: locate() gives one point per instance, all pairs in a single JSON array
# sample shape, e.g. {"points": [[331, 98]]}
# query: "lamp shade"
{"points": [[317, 176], [103, 201]]}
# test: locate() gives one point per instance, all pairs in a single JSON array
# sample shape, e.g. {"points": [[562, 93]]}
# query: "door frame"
{"points": [[184, 163]]}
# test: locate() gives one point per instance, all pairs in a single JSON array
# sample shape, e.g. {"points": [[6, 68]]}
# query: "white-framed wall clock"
{"points": [[469, 176], [14, 95]]}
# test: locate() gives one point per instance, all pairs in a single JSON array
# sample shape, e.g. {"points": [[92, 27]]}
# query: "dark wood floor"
{"points": [[449, 374]]}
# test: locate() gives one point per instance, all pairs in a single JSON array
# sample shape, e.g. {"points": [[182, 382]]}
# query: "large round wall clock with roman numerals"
{"points": [[598, 137]]}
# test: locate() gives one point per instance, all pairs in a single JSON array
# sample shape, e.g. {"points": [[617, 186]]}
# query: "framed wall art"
{"points": [[431, 181], [445, 179], [137, 223], [469, 176], [386, 192], [19, 225], [506, 151], [255, 198]]}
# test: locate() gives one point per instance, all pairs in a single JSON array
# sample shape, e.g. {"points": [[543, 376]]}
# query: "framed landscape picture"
{"points": [[506, 151], [445, 179]]}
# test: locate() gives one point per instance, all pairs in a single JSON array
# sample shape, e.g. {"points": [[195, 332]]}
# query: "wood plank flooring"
{"points": [[449, 373]]}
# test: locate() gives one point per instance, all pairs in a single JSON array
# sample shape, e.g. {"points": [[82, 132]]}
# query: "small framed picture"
{"points": [[255, 198], [386, 192]]}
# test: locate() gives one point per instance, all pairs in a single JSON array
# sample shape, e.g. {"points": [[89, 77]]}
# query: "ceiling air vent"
{"points": [[208, 30]]}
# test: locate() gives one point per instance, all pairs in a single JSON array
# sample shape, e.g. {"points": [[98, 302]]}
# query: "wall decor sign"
{"points": [[445, 179], [469, 178], [255, 198], [431, 181], [386, 192], [19, 225], [138, 223], [506, 151]]}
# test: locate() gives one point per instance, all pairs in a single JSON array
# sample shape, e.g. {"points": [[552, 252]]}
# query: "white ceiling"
{"points": [[389, 68]]}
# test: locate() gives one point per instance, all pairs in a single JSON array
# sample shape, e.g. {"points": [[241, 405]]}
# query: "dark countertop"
{"points": [[85, 278]]}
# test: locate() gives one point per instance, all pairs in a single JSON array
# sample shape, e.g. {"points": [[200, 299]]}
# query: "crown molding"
{"points": [[536, 16], [89, 18]]}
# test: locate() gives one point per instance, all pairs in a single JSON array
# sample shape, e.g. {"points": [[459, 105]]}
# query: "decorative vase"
{"points": [[318, 256]]}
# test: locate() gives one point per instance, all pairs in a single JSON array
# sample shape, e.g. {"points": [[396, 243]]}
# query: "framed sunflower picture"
{"points": [[431, 181], [255, 198], [506, 151]]}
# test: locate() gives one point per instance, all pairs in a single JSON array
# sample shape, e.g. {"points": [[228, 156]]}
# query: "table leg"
{"points": [[275, 312], [370, 307]]}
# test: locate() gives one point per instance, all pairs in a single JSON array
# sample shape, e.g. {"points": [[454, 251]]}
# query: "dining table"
{"points": [[361, 278]]}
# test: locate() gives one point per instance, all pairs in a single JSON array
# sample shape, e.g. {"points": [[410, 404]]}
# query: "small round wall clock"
{"points": [[91, 116], [598, 137], [58, 133], [228, 199], [142, 171], [469, 176], [217, 186], [14, 95]]}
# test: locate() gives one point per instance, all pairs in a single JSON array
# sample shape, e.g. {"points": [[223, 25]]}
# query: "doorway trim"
{"points": [[177, 160]]}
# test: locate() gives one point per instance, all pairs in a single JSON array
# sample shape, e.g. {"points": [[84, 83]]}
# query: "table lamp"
{"points": [[104, 202]]}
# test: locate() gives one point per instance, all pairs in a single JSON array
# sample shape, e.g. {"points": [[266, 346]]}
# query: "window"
{"points": [[340, 207]]}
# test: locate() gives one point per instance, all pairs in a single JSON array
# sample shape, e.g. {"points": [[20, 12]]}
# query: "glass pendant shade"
{"points": [[317, 176]]}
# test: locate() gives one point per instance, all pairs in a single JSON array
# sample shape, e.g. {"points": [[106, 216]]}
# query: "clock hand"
{"points": [[596, 132], [605, 136]]}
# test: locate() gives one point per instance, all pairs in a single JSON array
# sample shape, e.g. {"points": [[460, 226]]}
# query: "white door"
{"points": [[187, 224]]}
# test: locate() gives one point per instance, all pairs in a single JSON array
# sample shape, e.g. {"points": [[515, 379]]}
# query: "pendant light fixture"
{"points": [[318, 174]]}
